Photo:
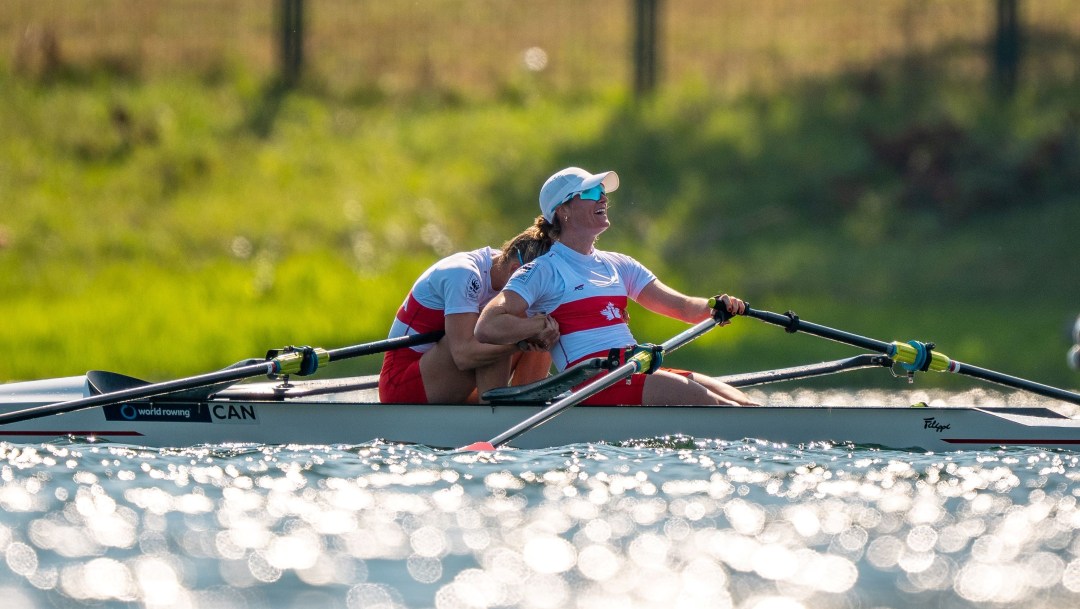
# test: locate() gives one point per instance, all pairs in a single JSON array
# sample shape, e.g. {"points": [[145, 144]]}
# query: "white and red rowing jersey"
{"points": [[459, 283], [587, 294]]}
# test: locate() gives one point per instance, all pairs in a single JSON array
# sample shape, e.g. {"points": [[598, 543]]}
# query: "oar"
{"points": [[858, 362], [914, 356], [640, 361], [300, 361]]}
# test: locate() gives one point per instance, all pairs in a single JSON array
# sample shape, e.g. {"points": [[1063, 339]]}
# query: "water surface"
{"points": [[664, 522]]}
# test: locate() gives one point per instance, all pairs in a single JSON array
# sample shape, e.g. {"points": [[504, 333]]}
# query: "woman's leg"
{"points": [[490, 376], [529, 366], [520, 368], [444, 382], [723, 389], [670, 389]]}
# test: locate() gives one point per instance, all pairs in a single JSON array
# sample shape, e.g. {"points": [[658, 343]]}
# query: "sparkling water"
{"points": [[663, 522]]}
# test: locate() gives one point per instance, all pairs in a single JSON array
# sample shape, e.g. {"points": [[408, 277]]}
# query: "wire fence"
{"points": [[481, 48]]}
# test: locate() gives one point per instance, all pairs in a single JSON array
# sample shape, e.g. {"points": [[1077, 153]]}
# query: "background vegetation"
{"points": [[167, 222]]}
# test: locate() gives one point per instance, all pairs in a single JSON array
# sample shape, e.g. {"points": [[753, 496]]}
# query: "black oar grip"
{"points": [[718, 304]]}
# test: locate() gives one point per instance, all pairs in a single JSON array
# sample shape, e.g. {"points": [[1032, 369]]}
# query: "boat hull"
{"points": [[353, 417]]}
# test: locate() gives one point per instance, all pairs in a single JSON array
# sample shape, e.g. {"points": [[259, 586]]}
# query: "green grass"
{"points": [[170, 227]]}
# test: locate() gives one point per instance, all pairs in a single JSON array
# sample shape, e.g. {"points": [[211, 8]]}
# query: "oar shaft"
{"points": [[285, 363], [793, 324], [858, 362], [141, 393], [569, 401], [688, 335], [384, 345], [1016, 382], [634, 365], [909, 353]]}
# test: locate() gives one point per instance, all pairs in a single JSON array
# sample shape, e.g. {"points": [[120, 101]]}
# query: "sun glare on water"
{"points": [[718, 524]]}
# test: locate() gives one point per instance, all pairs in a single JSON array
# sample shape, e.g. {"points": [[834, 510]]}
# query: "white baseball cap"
{"points": [[570, 181]]}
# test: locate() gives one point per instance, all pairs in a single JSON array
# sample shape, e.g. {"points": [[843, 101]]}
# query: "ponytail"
{"points": [[531, 243]]}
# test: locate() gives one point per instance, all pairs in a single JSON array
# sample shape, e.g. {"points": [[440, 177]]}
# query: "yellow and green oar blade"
{"points": [[914, 356]]}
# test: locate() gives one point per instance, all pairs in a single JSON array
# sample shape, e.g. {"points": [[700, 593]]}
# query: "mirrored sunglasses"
{"points": [[593, 194]]}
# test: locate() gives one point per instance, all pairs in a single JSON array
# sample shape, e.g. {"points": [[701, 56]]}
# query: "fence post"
{"points": [[1007, 46], [646, 15], [291, 20]]}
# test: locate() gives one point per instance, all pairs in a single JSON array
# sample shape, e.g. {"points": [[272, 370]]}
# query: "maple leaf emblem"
{"points": [[611, 312]]}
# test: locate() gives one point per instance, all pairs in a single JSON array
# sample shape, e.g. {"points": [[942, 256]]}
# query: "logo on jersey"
{"points": [[611, 312], [524, 271], [474, 287], [580, 287]]}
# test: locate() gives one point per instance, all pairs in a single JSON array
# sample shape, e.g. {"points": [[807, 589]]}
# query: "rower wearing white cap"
{"points": [[586, 291]]}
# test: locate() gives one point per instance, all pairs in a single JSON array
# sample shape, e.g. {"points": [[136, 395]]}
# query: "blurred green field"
{"points": [[171, 225]]}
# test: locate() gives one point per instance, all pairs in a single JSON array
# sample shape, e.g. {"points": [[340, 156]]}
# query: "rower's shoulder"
{"points": [[619, 259]]}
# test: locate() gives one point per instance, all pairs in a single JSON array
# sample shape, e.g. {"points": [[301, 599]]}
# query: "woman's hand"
{"points": [[726, 307], [546, 338]]}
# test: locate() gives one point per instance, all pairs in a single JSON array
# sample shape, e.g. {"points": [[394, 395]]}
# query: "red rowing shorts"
{"points": [[400, 381], [627, 392]]}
